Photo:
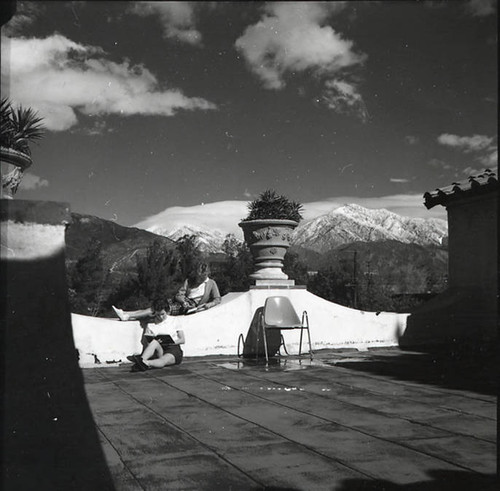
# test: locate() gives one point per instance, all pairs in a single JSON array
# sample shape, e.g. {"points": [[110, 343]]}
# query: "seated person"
{"points": [[198, 292], [162, 350]]}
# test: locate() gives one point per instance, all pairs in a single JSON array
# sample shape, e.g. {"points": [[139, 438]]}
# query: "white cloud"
{"points": [[293, 37], [177, 19], [225, 215], [31, 181], [58, 77], [399, 180], [466, 143], [344, 97], [490, 160], [481, 8], [483, 148]]}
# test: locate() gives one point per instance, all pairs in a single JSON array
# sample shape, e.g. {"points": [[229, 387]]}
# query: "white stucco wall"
{"points": [[216, 331]]}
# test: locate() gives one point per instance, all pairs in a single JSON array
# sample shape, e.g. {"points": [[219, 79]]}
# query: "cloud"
{"points": [[466, 143], [344, 97], [293, 37], [411, 140], [98, 128], [484, 149], [31, 181], [481, 8], [177, 19], [225, 215], [59, 77], [222, 215], [398, 180], [439, 164]]}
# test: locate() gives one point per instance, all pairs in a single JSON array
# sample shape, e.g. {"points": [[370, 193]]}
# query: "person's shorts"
{"points": [[173, 349]]}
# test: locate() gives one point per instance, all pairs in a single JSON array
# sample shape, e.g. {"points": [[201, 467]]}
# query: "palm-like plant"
{"points": [[271, 205], [19, 127]]}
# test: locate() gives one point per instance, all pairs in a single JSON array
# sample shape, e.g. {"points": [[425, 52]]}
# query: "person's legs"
{"points": [[133, 315], [162, 361], [153, 348]]}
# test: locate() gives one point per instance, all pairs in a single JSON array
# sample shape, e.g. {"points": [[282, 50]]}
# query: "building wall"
{"points": [[472, 228]]}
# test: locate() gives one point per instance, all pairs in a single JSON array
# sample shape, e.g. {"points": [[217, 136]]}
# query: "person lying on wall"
{"points": [[162, 350], [197, 293]]}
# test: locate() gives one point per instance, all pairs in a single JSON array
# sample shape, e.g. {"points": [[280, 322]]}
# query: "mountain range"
{"points": [[120, 245], [344, 225]]}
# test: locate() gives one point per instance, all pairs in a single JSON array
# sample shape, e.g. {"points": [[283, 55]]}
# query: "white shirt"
{"points": [[199, 291]]}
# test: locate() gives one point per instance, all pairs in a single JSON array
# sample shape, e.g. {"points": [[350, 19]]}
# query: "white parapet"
{"points": [[216, 331]]}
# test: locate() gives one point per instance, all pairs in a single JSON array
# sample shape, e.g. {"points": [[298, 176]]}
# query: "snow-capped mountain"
{"points": [[208, 240], [349, 223], [352, 223]]}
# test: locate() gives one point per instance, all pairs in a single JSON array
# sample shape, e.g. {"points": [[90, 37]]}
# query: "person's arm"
{"points": [[215, 294], [180, 296], [180, 337]]}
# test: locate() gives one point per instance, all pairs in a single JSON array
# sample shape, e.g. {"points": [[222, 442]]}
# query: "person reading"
{"points": [[198, 292], [162, 350]]}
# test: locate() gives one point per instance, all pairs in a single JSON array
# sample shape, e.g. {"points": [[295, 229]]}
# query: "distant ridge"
{"points": [[119, 244], [208, 240], [344, 225], [354, 223]]}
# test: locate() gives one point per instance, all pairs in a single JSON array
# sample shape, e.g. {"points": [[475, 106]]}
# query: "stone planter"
{"points": [[268, 241], [13, 163]]}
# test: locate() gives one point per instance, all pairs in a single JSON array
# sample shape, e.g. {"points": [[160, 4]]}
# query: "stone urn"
{"points": [[13, 164], [268, 241]]}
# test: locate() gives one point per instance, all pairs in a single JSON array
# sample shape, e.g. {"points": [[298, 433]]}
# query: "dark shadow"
{"points": [[254, 342], [49, 437], [438, 481], [460, 366]]}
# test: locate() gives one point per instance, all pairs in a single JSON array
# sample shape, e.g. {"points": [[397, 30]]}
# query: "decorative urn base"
{"points": [[268, 241]]}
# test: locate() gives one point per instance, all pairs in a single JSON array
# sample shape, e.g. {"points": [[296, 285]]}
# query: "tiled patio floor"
{"points": [[382, 419]]}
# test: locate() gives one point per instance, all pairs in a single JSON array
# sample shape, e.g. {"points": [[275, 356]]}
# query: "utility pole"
{"points": [[354, 284]]}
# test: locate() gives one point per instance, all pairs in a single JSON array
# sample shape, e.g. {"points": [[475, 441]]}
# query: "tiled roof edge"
{"points": [[482, 183]]}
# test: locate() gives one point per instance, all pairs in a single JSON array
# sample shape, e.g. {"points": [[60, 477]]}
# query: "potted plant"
{"points": [[19, 127], [267, 230]]}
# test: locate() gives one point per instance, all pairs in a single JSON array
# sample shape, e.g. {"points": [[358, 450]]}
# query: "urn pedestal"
{"points": [[268, 241]]}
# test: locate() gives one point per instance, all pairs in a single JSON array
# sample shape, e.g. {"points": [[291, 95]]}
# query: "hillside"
{"points": [[119, 244]]}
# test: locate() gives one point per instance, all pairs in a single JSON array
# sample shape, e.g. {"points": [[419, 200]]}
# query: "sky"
{"points": [[189, 110]]}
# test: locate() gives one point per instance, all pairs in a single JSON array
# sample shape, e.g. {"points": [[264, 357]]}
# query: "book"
{"points": [[161, 338]]}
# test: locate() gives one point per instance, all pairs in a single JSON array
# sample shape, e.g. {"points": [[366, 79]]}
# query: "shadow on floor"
{"points": [[439, 481], [458, 367]]}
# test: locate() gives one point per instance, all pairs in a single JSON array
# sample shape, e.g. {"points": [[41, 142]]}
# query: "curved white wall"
{"points": [[216, 331]]}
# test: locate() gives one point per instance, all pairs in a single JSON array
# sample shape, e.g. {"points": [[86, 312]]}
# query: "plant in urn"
{"points": [[268, 229]]}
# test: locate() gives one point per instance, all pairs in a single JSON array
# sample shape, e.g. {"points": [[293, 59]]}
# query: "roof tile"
{"points": [[482, 183]]}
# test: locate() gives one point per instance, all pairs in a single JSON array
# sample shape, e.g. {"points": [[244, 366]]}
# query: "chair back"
{"points": [[279, 313]]}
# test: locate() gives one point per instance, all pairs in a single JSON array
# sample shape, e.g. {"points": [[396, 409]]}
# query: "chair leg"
{"points": [[257, 338], [283, 344], [265, 341], [310, 346], [241, 339]]}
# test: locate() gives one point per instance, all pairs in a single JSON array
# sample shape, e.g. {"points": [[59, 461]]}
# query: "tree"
{"points": [[86, 281], [157, 280], [189, 255], [333, 284], [295, 268], [233, 274]]}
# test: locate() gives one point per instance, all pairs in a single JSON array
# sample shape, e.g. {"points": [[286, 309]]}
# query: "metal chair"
{"points": [[278, 313]]}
